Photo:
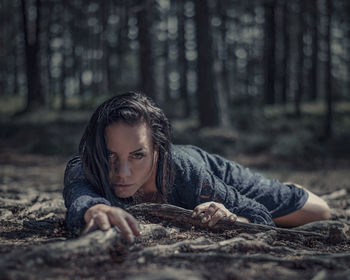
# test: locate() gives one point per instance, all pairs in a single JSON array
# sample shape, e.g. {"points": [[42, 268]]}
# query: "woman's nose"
{"points": [[124, 169]]}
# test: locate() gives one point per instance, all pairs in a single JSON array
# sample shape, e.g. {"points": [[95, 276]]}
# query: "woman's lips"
{"points": [[122, 185]]}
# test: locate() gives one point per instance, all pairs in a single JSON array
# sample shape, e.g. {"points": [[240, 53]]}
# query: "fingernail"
{"points": [[131, 238], [104, 227], [204, 219]]}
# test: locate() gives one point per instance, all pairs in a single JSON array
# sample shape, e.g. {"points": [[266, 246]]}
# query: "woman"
{"points": [[125, 157]]}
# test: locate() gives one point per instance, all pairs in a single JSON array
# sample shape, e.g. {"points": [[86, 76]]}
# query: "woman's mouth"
{"points": [[122, 185]]}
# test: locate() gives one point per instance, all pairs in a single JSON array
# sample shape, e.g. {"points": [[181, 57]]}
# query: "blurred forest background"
{"points": [[259, 77]]}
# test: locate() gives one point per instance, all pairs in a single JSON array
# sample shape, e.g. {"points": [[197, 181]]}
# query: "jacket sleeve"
{"points": [[212, 188], [79, 195], [194, 184]]}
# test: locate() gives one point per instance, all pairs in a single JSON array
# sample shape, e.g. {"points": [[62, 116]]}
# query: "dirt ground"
{"points": [[32, 219]]}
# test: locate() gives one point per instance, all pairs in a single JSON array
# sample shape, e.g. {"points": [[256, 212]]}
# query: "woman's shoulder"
{"points": [[190, 158], [74, 170], [186, 151], [189, 154]]}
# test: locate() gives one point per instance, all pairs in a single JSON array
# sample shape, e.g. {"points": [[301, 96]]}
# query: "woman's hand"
{"points": [[101, 216], [213, 212]]}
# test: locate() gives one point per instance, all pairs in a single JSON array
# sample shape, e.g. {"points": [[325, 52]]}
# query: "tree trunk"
{"points": [[207, 100], [269, 52], [47, 53], [166, 69], [35, 98], [105, 68], [223, 71], [300, 63], [286, 55], [145, 50], [16, 55], [183, 63], [123, 39], [314, 58], [328, 74], [63, 75]]}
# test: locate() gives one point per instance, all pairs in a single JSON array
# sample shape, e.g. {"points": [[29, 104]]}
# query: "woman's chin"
{"points": [[124, 194]]}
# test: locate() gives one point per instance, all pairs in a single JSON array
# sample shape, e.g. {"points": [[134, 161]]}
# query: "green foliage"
{"points": [[11, 104], [49, 139], [278, 132], [254, 131], [246, 113], [300, 144], [254, 143], [341, 143]]}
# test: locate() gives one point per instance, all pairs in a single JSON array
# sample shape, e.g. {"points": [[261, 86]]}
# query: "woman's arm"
{"points": [[195, 185], [87, 210], [214, 189], [79, 195], [314, 209]]}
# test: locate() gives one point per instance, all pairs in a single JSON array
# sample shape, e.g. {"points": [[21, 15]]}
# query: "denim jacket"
{"points": [[199, 177]]}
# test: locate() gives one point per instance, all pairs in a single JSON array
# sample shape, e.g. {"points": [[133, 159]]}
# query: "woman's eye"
{"points": [[138, 156], [111, 157]]}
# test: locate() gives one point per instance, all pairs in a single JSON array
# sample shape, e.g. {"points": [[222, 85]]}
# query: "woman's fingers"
{"points": [[217, 216], [91, 226], [213, 212], [208, 208], [210, 212], [232, 218], [199, 209], [102, 221], [105, 217], [133, 224], [204, 207], [118, 219]]}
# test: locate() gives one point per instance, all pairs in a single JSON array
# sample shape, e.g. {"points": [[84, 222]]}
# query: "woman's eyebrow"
{"points": [[138, 150]]}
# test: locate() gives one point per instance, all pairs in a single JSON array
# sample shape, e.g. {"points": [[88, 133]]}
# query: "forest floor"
{"points": [[34, 243]]}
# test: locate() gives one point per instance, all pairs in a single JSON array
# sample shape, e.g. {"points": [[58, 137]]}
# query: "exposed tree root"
{"points": [[183, 216], [251, 244], [330, 261], [95, 243], [335, 195], [230, 246]]}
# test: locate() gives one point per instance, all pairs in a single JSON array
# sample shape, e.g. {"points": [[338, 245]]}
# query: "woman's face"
{"points": [[131, 156]]}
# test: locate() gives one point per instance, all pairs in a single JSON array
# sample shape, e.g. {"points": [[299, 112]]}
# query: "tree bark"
{"points": [[95, 243], [123, 40], [328, 74], [183, 217], [146, 75], [207, 99], [63, 76], [330, 261], [269, 52], [313, 92], [104, 87], [300, 63], [182, 61], [286, 55], [222, 86], [35, 97]]}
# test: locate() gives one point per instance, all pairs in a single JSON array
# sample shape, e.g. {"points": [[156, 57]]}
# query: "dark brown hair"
{"points": [[131, 108]]}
